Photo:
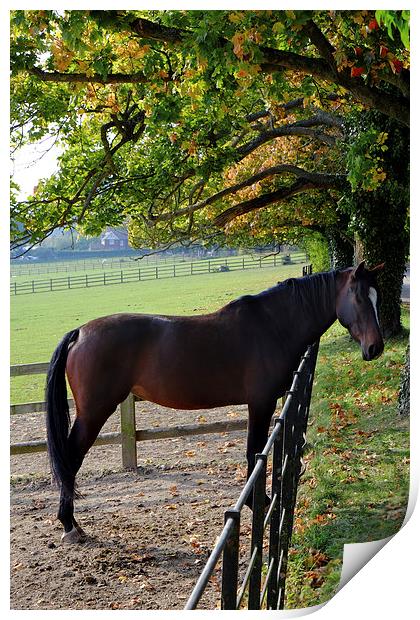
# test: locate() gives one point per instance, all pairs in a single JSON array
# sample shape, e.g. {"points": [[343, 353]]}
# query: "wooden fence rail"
{"points": [[128, 436], [78, 264]]}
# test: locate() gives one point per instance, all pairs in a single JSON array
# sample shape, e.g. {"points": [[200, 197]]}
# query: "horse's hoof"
{"points": [[76, 535], [80, 530]]}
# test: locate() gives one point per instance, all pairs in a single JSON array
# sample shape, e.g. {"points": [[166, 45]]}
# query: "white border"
{"points": [[387, 585]]}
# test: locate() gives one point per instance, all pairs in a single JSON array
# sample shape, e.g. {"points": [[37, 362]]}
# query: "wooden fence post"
{"points": [[128, 433]]}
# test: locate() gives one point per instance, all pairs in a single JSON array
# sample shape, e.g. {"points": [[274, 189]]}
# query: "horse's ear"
{"points": [[359, 270], [376, 269]]}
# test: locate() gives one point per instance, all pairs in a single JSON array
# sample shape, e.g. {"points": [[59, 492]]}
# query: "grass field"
{"points": [[356, 484]]}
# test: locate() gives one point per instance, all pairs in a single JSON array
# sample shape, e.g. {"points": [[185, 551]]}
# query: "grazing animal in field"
{"points": [[244, 353]]}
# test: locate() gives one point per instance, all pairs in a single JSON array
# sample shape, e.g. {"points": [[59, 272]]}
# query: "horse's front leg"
{"points": [[259, 417]]}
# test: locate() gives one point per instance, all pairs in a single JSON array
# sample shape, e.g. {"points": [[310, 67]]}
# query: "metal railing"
{"points": [[286, 442]]}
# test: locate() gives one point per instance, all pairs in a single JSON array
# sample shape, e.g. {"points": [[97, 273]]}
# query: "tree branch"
{"points": [[111, 78], [308, 182], [260, 176], [277, 60], [297, 129], [321, 43], [273, 60]]}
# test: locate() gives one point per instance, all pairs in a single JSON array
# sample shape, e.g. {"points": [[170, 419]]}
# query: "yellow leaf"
{"points": [[236, 17]]}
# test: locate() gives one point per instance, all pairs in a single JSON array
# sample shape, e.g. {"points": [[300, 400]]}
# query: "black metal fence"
{"points": [[265, 576]]}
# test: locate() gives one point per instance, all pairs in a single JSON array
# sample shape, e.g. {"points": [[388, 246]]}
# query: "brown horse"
{"points": [[244, 353]]}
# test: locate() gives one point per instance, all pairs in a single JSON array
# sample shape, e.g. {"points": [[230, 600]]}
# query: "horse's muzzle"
{"points": [[372, 351]]}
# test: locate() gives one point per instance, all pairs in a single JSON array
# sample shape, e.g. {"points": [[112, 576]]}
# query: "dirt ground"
{"points": [[150, 531]]}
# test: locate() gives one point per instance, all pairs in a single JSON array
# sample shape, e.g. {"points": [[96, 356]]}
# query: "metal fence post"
{"points": [[258, 510], [286, 505], [273, 554], [230, 562], [128, 433]]}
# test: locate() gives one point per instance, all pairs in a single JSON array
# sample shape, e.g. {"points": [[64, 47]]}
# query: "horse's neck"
{"points": [[312, 307], [322, 301]]}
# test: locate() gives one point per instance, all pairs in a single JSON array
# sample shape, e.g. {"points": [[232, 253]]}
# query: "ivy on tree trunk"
{"points": [[404, 394], [380, 218]]}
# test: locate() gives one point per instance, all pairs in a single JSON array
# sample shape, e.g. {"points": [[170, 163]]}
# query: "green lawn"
{"points": [[356, 485]]}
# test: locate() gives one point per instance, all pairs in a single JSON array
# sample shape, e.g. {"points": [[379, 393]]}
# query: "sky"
{"points": [[32, 163]]}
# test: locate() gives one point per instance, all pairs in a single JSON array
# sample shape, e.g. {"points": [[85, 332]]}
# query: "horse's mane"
{"points": [[302, 292]]}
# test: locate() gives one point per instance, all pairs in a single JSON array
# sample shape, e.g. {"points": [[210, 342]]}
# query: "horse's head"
{"points": [[357, 308]]}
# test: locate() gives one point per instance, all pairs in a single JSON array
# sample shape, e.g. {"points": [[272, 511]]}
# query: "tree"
{"points": [[380, 217], [202, 124]]}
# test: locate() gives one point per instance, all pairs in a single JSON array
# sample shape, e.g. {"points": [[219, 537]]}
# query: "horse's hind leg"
{"points": [[81, 438]]}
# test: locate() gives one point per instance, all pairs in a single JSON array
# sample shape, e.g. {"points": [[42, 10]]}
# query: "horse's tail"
{"points": [[58, 416]]}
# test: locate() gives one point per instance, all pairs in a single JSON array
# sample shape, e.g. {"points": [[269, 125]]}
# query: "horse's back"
{"points": [[179, 361]]}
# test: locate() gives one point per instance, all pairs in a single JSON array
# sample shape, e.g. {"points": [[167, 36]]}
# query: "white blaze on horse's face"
{"points": [[373, 296]]}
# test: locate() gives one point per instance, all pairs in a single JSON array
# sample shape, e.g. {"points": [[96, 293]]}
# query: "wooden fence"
{"points": [[128, 436], [81, 264], [98, 264], [139, 274]]}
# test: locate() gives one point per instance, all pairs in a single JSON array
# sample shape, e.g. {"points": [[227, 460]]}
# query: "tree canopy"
{"points": [[200, 124]]}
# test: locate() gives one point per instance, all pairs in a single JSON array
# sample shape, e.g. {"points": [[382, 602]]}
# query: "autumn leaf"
{"points": [[173, 490], [396, 65], [238, 40], [242, 73], [236, 18], [357, 71]]}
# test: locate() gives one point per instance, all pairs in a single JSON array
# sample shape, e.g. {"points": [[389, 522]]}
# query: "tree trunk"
{"points": [[359, 251], [404, 395], [340, 249], [380, 221]]}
